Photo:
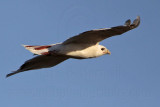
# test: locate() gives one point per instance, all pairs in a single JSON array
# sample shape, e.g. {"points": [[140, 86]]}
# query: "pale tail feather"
{"points": [[38, 50]]}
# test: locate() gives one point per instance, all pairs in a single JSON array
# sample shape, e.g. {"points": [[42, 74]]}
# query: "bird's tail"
{"points": [[38, 50]]}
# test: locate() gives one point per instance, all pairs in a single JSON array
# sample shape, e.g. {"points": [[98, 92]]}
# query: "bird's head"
{"points": [[103, 50]]}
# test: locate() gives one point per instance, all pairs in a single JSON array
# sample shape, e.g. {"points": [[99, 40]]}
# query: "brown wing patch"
{"points": [[42, 47]]}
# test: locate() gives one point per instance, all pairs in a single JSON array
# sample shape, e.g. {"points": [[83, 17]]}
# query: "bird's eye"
{"points": [[102, 49]]}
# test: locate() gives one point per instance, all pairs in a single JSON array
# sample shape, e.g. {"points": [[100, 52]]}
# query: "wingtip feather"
{"points": [[136, 22], [10, 74], [128, 22], [13, 72]]}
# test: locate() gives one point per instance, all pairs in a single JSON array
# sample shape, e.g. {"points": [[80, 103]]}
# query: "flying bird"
{"points": [[82, 46]]}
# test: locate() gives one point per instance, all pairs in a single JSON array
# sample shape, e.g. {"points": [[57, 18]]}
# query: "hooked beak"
{"points": [[108, 52]]}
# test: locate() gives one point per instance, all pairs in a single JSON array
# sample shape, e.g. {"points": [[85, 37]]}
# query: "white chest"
{"points": [[80, 51]]}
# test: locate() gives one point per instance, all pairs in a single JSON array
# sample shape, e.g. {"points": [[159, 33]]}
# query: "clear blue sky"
{"points": [[129, 77]]}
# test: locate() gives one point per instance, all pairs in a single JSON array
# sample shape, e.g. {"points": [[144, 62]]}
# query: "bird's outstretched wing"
{"points": [[39, 62], [95, 36]]}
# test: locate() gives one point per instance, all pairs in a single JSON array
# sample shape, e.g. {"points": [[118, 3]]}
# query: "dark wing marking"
{"points": [[95, 36]]}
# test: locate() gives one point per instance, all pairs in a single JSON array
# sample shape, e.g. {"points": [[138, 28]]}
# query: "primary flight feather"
{"points": [[83, 46]]}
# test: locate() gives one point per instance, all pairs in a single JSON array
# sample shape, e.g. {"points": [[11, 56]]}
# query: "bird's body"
{"points": [[83, 46], [72, 50]]}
